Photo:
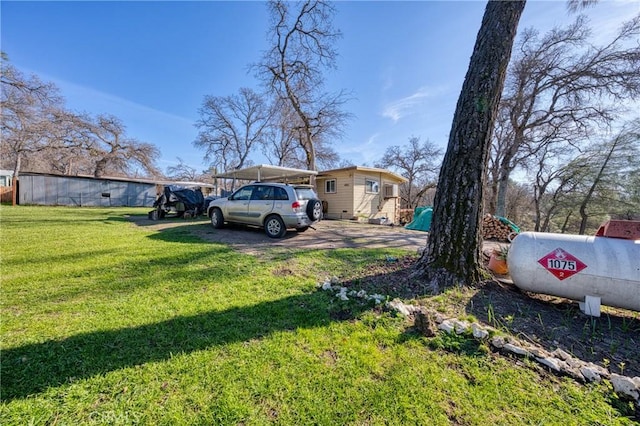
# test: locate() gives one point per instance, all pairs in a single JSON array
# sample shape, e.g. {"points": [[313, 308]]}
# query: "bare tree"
{"points": [[551, 182], [452, 256], [578, 191], [606, 162], [283, 146], [419, 163], [232, 127], [113, 152], [303, 41], [38, 130], [28, 110], [558, 88], [182, 171], [280, 144]]}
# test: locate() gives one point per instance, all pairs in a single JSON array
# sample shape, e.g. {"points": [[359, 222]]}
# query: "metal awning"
{"points": [[266, 172]]}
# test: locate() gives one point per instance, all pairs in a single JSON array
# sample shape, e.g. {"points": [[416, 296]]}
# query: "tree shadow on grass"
{"points": [[33, 368]]}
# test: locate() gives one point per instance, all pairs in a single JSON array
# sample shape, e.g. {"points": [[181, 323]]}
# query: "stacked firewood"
{"points": [[405, 216], [494, 229]]}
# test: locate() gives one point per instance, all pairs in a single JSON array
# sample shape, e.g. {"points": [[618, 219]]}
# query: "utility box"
{"points": [[391, 191]]}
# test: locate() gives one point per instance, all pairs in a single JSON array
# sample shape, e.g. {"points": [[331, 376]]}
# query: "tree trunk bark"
{"points": [[493, 195], [501, 198], [452, 256]]}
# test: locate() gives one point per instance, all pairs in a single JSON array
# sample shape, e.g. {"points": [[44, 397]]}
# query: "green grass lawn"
{"points": [[107, 322]]}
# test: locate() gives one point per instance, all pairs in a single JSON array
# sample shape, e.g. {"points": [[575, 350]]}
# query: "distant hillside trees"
{"points": [[39, 134]]}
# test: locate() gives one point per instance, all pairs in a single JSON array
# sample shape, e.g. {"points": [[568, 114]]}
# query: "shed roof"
{"points": [[149, 181], [390, 175], [265, 172]]}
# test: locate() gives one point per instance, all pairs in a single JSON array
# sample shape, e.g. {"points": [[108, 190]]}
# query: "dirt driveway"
{"points": [[328, 234]]}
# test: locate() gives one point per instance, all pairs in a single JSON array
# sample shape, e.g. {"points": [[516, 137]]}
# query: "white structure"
{"points": [[361, 193], [6, 177]]}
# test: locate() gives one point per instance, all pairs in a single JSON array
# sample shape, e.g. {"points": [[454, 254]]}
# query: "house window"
{"points": [[330, 186], [371, 186]]}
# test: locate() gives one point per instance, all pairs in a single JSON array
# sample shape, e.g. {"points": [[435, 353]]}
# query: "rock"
{"points": [[377, 298], [626, 386], [460, 326], [498, 342], [573, 372], [426, 324], [478, 331], [447, 326], [439, 317], [590, 374], [538, 352], [560, 354], [552, 363], [342, 294], [397, 305], [514, 349], [400, 307]]}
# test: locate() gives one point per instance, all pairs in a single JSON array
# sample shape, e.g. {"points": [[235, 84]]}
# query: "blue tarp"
{"points": [[422, 217]]}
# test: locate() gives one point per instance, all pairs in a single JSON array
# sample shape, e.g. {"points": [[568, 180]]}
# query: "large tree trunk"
{"points": [[453, 249]]}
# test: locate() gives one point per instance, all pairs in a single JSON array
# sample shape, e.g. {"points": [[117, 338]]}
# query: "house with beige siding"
{"points": [[360, 193]]}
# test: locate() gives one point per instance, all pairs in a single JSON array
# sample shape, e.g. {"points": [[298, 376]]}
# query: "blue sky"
{"points": [[150, 63]]}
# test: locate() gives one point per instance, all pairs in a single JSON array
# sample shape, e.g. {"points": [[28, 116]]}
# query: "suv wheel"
{"points": [[217, 221], [274, 227], [314, 210]]}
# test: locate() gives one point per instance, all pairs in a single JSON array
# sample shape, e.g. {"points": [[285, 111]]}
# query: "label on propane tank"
{"points": [[561, 264]]}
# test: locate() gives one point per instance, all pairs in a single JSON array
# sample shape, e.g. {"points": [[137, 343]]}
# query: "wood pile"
{"points": [[494, 229], [405, 216]]}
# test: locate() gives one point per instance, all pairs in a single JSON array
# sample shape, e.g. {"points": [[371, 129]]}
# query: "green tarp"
{"points": [[510, 224], [421, 219]]}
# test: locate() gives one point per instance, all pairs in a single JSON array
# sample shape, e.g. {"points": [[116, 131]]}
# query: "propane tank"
{"points": [[578, 267]]}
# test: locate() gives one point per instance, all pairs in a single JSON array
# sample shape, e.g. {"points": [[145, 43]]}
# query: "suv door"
{"points": [[261, 204], [237, 206]]}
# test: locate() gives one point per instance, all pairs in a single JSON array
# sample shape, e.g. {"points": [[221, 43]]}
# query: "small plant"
{"points": [[509, 320], [490, 315], [628, 325], [498, 260], [501, 252]]}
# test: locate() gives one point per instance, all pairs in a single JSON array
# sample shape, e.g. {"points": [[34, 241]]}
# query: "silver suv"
{"points": [[274, 206]]}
